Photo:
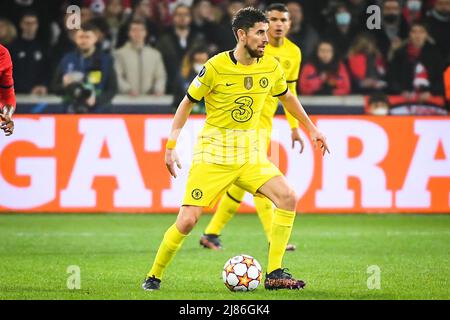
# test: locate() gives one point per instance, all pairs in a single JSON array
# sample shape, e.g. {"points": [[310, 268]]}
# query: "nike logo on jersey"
{"points": [[229, 84]]}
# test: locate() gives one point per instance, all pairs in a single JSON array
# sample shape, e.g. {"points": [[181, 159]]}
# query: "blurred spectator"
{"points": [[225, 37], [86, 76], [412, 11], [8, 32], [301, 33], [357, 9], [438, 22], [192, 65], [140, 68], [366, 65], [393, 29], [86, 14], [142, 10], [177, 41], [378, 104], [325, 73], [205, 21], [447, 84], [47, 11], [29, 58], [417, 67], [65, 41], [341, 31], [103, 33], [116, 15]]}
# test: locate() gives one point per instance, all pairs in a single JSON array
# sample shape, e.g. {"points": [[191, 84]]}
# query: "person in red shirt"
{"points": [[325, 73], [7, 96]]}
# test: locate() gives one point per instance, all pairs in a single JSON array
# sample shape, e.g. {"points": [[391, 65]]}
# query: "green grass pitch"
{"points": [[114, 252]]}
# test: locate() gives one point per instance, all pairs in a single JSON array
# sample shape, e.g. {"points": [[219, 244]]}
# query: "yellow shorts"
{"points": [[207, 182]]}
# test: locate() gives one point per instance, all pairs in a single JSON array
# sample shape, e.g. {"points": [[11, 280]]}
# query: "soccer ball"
{"points": [[242, 273]]}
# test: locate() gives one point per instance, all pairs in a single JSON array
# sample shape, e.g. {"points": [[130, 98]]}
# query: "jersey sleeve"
{"points": [[279, 87], [7, 95], [202, 83], [292, 77], [292, 85]]}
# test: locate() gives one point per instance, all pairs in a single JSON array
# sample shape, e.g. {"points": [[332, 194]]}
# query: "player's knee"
{"points": [[187, 220], [287, 200]]}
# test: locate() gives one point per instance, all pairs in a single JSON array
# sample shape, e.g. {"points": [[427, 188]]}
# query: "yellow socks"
{"points": [[283, 221], [172, 241], [264, 208], [228, 206]]}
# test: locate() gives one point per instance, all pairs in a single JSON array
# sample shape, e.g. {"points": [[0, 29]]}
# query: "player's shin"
{"points": [[264, 208], [172, 241], [228, 206], [283, 221]]}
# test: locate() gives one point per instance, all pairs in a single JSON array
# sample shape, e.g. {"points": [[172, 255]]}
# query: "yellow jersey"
{"points": [[235, 96], [290, 57]]}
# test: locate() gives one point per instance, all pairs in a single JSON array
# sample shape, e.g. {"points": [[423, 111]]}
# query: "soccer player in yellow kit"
{"points": [[289, 56], [235, 85]]}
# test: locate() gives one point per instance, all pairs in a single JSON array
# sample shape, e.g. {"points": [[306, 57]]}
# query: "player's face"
{"points": [[279, 24], [256, 39]]}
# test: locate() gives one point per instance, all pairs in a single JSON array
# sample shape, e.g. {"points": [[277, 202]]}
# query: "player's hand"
{"points": [[319, 140], [7, 125], [295, 136], [172, 159]]}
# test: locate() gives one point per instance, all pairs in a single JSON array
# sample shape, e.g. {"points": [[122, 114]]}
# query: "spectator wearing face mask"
{"points": [[341, 30], [412, 11], [393, 29], [378, 104], [438, 22], [191, 66]]}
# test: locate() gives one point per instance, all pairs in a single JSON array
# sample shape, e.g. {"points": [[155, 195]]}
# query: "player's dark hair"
{"points": [[281, 7], [246, 18]]}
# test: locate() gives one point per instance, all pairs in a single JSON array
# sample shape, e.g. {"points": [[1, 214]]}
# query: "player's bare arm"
{"points": [[181, 116], [293, 105]]}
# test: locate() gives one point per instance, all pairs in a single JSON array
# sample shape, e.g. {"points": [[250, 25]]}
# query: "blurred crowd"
{"points": [[149, 47]]}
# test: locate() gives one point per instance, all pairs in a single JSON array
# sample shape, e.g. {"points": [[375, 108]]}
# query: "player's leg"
{"points": [[264, 209], [263, 205], [283, 196], [226, 209], [171, 243]]}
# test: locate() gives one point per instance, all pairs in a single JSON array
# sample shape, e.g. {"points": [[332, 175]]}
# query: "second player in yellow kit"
{"points": [[289, 57]]}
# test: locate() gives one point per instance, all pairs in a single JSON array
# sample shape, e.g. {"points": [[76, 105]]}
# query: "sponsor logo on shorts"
{"points": [[197, 194]]}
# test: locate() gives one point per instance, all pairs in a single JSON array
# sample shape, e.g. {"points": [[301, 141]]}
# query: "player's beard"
{"points": [[253, 53]]}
